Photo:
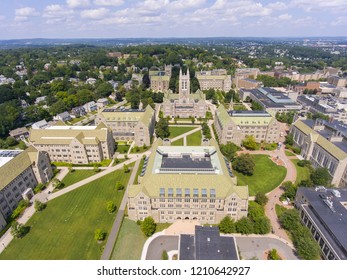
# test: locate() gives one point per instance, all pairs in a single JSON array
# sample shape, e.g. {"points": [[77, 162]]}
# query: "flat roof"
{"points": [[207, 244], [249, 114], [8, 155], [332, 221], [123, 110]]}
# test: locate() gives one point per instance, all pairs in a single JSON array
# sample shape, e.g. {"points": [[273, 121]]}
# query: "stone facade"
{"points": [[129, 124], [214, 80], [234, 126]]}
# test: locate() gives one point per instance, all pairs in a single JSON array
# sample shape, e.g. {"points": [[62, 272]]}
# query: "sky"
{"points": [[171, 18]]}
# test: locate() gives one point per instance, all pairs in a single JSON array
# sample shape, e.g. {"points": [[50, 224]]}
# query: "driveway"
{"points": [[255, 247], [159, 244]]}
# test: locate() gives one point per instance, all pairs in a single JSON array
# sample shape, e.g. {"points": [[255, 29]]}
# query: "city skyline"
{"points": [[164, 18]]}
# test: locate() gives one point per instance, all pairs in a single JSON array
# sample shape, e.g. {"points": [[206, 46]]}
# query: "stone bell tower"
{"points": [[184, 86]]}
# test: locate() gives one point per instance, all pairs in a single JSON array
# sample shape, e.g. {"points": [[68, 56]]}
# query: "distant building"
{"points": [[246, 83], [337, 81], [129, 124], [77, 112], [160, 80], [271, 98], [91, 81], [216, 79], [64, 117], [20, 171], [247, 73], [324, 144], [323, 211], [187, 183], [74, 144], [184, 104], [102, 102], [207, 244], [234, 126], [40, 99], [311, 85], [19, 133]]}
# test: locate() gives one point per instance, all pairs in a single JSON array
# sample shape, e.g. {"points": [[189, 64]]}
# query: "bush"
{"points": [[119, 186], [270, 147], [22, 205], [39, 188], [296, 150], [125, 168], [164, 256], [244, 164], [303, 163], [249, 143], [227, 225], [321, 177], [99, 235], [111, 206], [39, 206], [148, 226], [273, 255], [244, 226], [19, 230]]}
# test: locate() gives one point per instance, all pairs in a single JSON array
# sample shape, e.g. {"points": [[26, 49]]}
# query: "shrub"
{"points": [[39, 206], [303, 163], [111, 206], [119, 186], [164, 256], [22, 205], [125, 168], [99, 235], [227, 225], [273, 255], [296, 150], [148, 226], [39, 188], [19, 230]]}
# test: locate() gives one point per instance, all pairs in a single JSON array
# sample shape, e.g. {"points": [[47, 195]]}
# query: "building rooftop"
{"points": [[330, 213], [249, 114], [7, 155], [207, 244]]}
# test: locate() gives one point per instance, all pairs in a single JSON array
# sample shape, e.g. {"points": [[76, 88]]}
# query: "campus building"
{"points": [[184, 104], [325, 145], [20, 172], [129, 124], [160, 80], [324, 212], [215, 79], [187, 183], [271, 98], [234, 126], [74, 144]]}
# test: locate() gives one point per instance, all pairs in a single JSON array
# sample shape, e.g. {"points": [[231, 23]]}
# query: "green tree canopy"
{"points": [[148, 226], [244, 164], [162, 128]]}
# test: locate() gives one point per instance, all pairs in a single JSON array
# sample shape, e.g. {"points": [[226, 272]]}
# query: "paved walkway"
{"points": [[106, 255]]}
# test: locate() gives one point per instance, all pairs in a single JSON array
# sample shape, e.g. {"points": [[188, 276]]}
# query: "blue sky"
{"points": [[171, 18]]}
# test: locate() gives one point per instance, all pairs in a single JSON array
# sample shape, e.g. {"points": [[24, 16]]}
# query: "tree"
{"points": [[146, 81], [57, 184], [96, 168], [244, 164], [39, 206], [125, 168], [256, 106], [19, 230], [289, 139], [119, 186], [261, 199], [244, 226], [290, 220], [71, 168], [11, 141], [289, 191], [229, 150], [99, 234], [321, 177], [249, 143], [148, 226], [227, 225], [164, 255], [111, 206], [162, 129], [261, 225]]}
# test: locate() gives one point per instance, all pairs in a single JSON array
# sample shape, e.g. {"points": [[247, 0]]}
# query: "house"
{"points": [[90, 81], [65, 116], [40, 99], [90, 106], [19, 133], [78, 112], [102, 102], [40, 125]]}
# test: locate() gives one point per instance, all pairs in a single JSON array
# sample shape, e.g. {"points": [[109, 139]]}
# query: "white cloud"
{"points": [[57, 13], [340, 21], [277, 6], [316, 5], [108, 2], [285, 17], [186, 4], [23, 14], [94, 13], [78, 3]]}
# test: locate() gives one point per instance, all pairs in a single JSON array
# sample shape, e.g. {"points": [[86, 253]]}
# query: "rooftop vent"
{"points": [[336, 193], [320, 189]]}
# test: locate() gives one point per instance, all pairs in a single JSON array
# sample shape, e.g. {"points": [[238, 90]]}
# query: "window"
{"points": [[162, 192], [204, 193], [170, 192], [212, 193], [195, 193], [187, 192]]}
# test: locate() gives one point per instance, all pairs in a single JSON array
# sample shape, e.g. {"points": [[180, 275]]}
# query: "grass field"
{"points": [[267, 176], [194, 139], [176, 130], [65, 229], [302, 173], [178, 142], [289, 154], [123, 149], [138, 150], [130, 241], [76, 176]]}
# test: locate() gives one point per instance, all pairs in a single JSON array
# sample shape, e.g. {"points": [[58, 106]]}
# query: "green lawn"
{"points": [[302, 173], [123, 149], [130, 241], [178, 142], [289, 154], [194, 139], [118, 161], [104, 163], [65, 229], [76, 176], [266, 177], [240, 108], [138, 150], [177, 130]]}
